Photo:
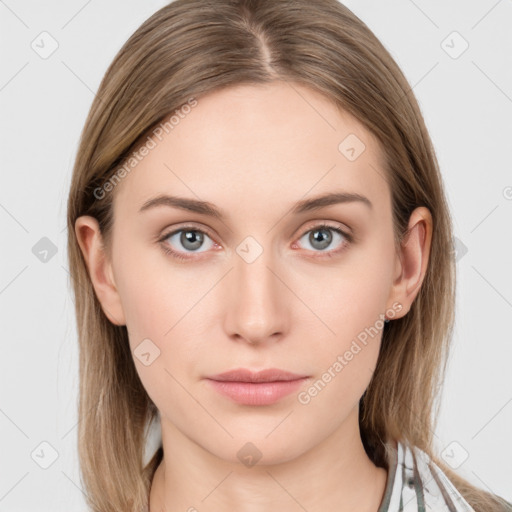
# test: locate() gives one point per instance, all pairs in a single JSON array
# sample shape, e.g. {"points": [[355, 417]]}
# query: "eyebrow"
{"points": [[206, 208]]}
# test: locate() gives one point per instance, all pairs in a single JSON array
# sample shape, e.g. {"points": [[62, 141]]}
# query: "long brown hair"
{"points": [[189, 48]]}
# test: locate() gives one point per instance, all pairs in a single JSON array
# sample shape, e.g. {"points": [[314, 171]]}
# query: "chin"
{"points": [[252, 447]]}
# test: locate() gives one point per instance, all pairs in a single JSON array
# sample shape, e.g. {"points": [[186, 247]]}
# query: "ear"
{"points": [[412, 260], [100, 268]]}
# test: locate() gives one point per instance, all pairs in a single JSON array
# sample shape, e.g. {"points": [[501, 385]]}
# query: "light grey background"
{"points": [[467, 104]]}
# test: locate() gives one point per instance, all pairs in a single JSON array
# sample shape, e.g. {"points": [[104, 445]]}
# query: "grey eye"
{"points": [[189, 239], [321, 238]]}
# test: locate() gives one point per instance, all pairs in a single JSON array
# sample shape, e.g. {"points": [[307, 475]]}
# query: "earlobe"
{"points": [[99, 267]]}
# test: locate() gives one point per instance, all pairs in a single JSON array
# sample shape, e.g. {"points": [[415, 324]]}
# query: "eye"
{"points": [[191, 239], [322, 237], [185, 239]]}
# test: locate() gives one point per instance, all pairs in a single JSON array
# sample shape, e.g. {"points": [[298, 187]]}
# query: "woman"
{"points": [[261, 254]]}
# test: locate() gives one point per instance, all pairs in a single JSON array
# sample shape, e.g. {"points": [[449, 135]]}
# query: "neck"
{"points": [[336, 474]]}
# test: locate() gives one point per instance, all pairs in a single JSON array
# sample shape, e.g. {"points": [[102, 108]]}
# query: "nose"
{"points": [[256, 301]]}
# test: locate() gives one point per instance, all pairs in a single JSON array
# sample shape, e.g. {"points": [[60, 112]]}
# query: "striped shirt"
{"points": [[417, 484]]}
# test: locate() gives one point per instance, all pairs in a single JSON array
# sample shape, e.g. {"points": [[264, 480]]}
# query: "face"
{"points": [[266, 284]]}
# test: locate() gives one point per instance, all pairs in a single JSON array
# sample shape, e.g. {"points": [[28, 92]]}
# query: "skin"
{"points": [[254, 151]]}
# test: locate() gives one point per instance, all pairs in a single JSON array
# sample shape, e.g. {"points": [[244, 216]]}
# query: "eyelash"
{"points": [[327, 254]]}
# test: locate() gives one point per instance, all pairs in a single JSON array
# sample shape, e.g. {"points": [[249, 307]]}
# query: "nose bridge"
{"points": [[256, 305]]}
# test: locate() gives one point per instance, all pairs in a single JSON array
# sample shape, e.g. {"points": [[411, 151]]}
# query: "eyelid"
{"points": [[319, 223], [183, 227]]}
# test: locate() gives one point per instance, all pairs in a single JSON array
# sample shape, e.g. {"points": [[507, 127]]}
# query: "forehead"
{"points": [[254, 145]]}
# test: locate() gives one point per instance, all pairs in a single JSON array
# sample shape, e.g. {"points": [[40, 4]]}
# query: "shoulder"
{"points": [[424, 482], [417, 484], [436, 485]]}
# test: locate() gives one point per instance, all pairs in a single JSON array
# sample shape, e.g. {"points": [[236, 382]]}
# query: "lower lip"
{"points": [[256, 393]]}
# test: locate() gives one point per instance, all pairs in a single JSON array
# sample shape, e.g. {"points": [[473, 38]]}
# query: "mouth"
{"points": [[265, 387]]}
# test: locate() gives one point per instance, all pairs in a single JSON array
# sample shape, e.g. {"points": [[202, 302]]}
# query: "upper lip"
{"points": [[246, 375]]}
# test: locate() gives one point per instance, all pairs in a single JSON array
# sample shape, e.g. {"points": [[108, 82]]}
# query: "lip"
{"points": [[266, 375], [263, 387]]}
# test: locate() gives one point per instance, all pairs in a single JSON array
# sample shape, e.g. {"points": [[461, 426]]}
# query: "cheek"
{"points": [[155, 293], [351, 305], [345, 359], [167, 306], [161, 314], [353, 295]]}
